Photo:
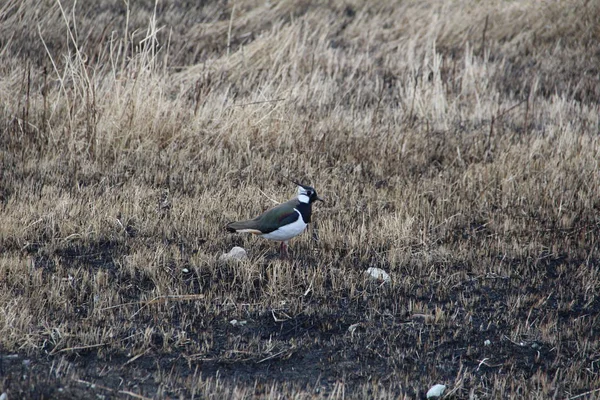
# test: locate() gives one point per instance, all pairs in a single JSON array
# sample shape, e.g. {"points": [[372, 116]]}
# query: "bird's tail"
{"points": [[243, 226]]}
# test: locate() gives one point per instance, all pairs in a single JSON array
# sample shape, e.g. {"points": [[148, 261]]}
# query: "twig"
{"points": [[163, 299], [183, 297], [513, 342], [412, 102], [482, 362], [526, 122], [510, 109], [584, 394], [487, 17], [267, 196], [310, 286], [137, 396], [496, 118], [458, 383], [260, 102], [229, 30], [91, 346], [279, 319], [158, 299], [94, 385], [120, 305], [376, 113], [132, 359], [127, 392], [271, 356]]}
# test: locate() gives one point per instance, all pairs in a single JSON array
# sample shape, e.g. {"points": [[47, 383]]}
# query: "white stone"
{"points": [[436, 391], [487, 342], [237, 253], [379, 275]]}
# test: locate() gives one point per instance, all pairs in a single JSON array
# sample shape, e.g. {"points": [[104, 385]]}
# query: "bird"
{"points": [[282, 222]]}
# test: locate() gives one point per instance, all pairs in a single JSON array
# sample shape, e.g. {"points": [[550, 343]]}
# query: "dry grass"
{"points": [[456, 145]]}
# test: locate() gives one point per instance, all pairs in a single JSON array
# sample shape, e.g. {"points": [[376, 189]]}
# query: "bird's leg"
{"points": [[283, 250]]}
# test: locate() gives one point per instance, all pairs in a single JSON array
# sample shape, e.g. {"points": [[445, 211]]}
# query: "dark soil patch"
{"points": [[314, 352]]}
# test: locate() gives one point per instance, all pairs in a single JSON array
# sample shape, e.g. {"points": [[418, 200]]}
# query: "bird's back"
{"points": [[268, 221]]}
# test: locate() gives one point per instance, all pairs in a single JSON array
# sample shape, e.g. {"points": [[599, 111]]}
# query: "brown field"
{"points": [[457, 144]]}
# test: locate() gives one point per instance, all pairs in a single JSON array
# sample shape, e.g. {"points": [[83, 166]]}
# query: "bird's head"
{"points": [[307, 194]]}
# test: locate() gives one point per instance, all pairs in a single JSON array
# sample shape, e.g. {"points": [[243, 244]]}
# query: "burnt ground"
{"points": [[313, 353]]}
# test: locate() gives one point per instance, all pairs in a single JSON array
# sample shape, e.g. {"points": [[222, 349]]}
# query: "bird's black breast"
{"points": [[305, 211]]}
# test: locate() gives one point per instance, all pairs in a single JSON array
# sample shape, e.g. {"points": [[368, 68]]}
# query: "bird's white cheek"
{"points": [[302, 198]]}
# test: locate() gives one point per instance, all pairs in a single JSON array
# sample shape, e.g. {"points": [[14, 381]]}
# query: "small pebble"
{"points": [[378, 274], [436, 391], [237, 253], [487, 342]]}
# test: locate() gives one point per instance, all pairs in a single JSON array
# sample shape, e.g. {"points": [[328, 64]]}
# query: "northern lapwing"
{"points": [[282, 222]]}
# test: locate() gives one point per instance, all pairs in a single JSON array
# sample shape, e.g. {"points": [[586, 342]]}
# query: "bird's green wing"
{"points": [[270, 220]]}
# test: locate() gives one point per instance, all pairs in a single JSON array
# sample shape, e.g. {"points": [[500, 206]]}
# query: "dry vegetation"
{"points": [[457, 145]]}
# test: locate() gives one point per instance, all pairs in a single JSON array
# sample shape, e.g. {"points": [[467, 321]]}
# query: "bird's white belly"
{"points": [[288, 231]]}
